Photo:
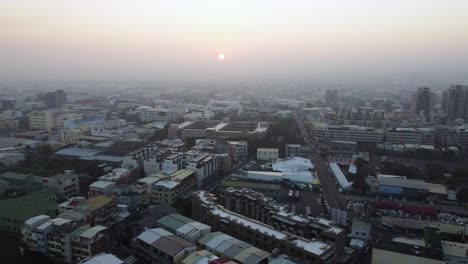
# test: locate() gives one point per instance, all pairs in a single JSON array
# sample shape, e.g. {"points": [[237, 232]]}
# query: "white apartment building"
{"points": [[51, 119], [323, 131], [71, 136], [98, 128], [149, 114], [225, 106], [64, 185], [267, 154], [404, 135], [204, 165]]}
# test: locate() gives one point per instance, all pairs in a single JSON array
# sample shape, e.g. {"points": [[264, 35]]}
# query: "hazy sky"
{"points": [[175, 39]]}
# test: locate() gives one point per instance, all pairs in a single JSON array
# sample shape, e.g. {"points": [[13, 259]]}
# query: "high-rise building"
{"points": [[422, 102], [331, 98], [54, 99], [455, 101]]}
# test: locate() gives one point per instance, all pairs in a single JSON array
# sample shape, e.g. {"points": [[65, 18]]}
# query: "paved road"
{"points": [[330, 190]]}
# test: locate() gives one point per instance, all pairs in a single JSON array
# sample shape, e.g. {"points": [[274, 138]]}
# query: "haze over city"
{"points": [[268, 40], [233, 131]]}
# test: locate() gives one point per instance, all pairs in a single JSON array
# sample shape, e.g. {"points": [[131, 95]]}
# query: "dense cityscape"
{"points": [[160, 175], [233, 132]]}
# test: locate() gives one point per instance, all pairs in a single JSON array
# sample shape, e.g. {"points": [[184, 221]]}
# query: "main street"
{"points": [[330, 190]]}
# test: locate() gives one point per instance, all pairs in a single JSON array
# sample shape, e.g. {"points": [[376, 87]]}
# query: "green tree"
{"points": [[462, 195]]}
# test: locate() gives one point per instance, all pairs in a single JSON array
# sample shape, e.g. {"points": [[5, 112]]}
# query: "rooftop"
{"points": [[103, 259], [98, 201]]}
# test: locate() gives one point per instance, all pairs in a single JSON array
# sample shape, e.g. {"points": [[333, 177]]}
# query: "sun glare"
{"points": [[221, 56]]}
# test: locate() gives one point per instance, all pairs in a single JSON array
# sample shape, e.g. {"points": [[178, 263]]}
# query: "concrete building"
{"points": [[422, 102], [160, 246], [52, 119], [99, 128], [64, 185], [455, 101], [401, 186], [455, 253], [71, 136], [8, 124], [266, 237], [63, 239], [98, 188], [452, 136], [218, 129], [331, 98], [168, 189], [296, 150], [94, 209], [238, 150], [148, 114], [204, 165], [54, 99], [324, 132], [234, 249], [256, 206], [404, 135], [267, 154], [184, 227], [122, 175], [225, 106]]}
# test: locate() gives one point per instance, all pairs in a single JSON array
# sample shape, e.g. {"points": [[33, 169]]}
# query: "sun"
{"points": [[221, 56]]}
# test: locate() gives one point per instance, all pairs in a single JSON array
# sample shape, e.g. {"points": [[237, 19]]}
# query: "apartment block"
{"points": [[63, 239], [418, 136], [323, 132], [64, 185], [296, 150], [267, 154], [266, 237], [259, 207]]}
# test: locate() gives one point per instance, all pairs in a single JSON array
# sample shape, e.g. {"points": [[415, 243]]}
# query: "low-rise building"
{"points": [[261, 235], [160, 246], [63, 239], [64, 185], [184, 227], [296, 150], [101, 188], [121, 175], [94, 209], [256, 206], [455, 253], [71, 136], [324, 132], [406, 135], [231, 248], [267, 154], [149, 114]]}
